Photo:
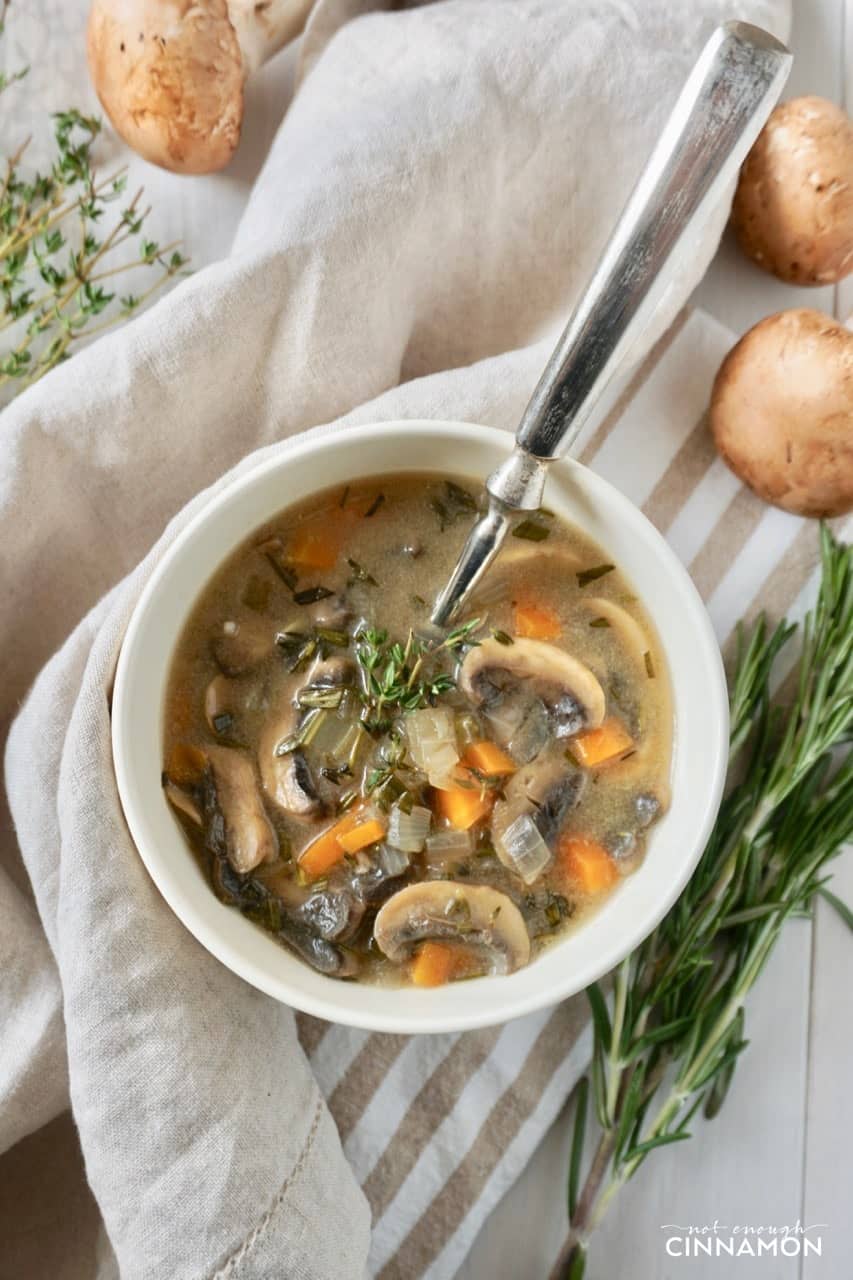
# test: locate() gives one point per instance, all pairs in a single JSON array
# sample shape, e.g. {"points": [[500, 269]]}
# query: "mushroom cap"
{"points": [[793, 208], [782, 412], [169, 74], [473, 915], [533, 661]]}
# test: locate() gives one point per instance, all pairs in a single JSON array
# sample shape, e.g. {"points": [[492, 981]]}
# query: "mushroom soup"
{"points": [[398, 804]]}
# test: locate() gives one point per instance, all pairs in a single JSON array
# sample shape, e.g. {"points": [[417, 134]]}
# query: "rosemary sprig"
{"points": [[668, 1041], [61, 254]]}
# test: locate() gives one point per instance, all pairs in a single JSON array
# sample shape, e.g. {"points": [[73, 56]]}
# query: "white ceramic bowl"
{"points": [[700, 744]]}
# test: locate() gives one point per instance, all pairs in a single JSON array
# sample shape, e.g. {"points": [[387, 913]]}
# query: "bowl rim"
{"points": [[334, 1008]]}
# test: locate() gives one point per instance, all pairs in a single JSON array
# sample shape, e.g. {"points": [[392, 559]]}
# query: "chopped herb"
{"points": [[303, 735], [628, 754], [531, 531], [502, 637], [557, 909], [455, 504], [592, 575], [256, 594], [650, 666], [374, 506], [360, 574], [397, 676], [330, 635], [419, 600], [460, 498], [336, 773], [298, 648], [599, 622], [222, 723], [273, 552], [461, 635], [318, 695], [311, 595], [344, 496], [572, 759], [347, 800], [441, 511]]}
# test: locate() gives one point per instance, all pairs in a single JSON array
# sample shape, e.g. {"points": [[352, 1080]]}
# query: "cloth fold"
{"points": [[429, 211]]}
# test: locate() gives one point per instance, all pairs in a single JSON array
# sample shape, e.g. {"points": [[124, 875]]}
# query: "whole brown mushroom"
{"points": [[170, 73], [782, 412], [793, 209]]}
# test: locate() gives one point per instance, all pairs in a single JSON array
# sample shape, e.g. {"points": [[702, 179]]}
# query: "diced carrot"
{"points": [[598, 746], [488, 758], [464, 802], [186, 764], [587, 864], [537, 622], [324, 852], [313, 549], [434, 965], [361, 836]]}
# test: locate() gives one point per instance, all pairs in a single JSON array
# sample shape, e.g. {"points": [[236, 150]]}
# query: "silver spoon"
{"points": [[728, 96]]}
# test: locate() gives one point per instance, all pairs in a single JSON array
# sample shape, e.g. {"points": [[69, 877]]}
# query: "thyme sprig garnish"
{"points": [[667, 1042], [61, 255], [399, 677]]}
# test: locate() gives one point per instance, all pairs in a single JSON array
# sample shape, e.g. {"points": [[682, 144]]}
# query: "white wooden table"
{"points": [[780, 1150]]}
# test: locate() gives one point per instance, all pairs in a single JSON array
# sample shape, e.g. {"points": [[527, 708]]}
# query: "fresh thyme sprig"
{"points": [[60, 255], [404, 677], [668, 1041]]}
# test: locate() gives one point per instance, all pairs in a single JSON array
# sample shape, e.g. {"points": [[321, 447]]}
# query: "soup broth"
{"points": [[397, 804]]}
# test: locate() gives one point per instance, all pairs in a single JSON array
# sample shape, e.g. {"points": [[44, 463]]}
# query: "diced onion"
{"points": [[393, 862], [447, 846], [408, 831], [525, 849], [431, 735]]}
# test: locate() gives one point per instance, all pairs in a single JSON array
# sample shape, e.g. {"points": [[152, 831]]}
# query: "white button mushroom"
{"points": [[170, 73], [793, 209], [470, 915], [567, 687], [782, 412]]}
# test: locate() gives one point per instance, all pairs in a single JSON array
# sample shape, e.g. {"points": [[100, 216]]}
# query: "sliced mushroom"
{"points": [[333, 913], [320, 953], [475, 916], [545, 791], [631, 635], [286, 775], [183, 801], [529, 669], [237, 821]]}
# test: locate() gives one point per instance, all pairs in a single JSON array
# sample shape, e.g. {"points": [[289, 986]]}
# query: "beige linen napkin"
{"points": [[430, 209]]}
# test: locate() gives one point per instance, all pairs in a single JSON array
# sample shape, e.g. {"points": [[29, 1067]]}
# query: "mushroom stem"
{"points": [[263, 29]]}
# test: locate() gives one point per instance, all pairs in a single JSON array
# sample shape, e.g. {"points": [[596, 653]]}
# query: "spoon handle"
{"points": [[719, 114], [728, 96]]}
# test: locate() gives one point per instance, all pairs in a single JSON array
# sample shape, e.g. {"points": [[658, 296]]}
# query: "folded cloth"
{"points": [[430, 209]]}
